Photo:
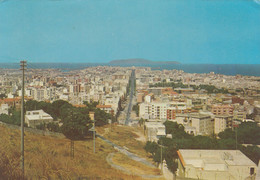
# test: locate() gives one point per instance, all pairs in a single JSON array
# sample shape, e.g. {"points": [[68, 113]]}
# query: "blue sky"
{"points": [[188, 31]]}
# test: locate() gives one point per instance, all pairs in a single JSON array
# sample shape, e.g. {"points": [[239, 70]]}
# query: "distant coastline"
{"points": [[138, 61], [225, 69]]}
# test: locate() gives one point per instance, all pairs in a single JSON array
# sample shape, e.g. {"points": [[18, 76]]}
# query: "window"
{"points": [[252, 171]]}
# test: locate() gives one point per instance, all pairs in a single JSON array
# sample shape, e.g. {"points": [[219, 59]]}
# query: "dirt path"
{"points": [[110, 161], [141, 137], [127, 153]]}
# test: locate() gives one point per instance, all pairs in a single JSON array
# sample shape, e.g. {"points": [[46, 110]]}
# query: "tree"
{"points": [[151, 147], [170, 157], [247, 133], [45, 106], [31, 105], [136, 109], [65, 111], [227, 144], [141, 122], [56, 107], [91, 105], [120, 105], [54, 127], [2, 96], [75, 126], [177, 130], [101, 117], [226, 134], [41, 126], [14, 118], [5, 118]]}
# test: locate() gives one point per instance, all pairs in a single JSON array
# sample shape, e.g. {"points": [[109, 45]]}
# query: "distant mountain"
{"points": [[141, 61]]}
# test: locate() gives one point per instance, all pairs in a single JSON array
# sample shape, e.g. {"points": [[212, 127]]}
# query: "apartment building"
{"points": [[177, 108], [204, 124], [222, 109], [240, 114], [163, 110], [39, 94], [153, 110], [196, 123], [221, 122]]}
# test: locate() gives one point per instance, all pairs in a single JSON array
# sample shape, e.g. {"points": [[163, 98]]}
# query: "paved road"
{"points": [[128, 120]]}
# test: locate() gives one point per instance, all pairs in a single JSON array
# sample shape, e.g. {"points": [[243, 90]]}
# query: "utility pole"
{"points": [[92, 117], [94, 134], [161, 160], [236, 138], [161, 146], [23, 66]]}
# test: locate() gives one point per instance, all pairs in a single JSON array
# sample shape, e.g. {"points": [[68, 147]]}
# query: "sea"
{"points": [[226, 69]]}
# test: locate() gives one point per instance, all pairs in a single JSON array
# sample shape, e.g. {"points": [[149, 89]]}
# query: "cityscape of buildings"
{"points": [[205, 104], [200, 112]]}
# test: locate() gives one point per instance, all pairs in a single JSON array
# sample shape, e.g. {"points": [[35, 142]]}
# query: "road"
{"points": [[132, 88]]}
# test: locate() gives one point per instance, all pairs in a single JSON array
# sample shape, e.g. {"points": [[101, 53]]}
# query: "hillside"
{"points": [[140, 61], [49, 158]]}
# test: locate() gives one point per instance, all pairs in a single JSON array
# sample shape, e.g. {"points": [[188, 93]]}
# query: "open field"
{"points": [[49, 158]]}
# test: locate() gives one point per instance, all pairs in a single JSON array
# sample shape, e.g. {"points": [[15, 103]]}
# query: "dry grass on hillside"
{"points": [[125, 136], [48, 158], [133, 166]]}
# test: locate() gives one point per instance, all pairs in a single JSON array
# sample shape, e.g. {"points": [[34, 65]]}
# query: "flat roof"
{"points": [[214, 159], [193, 115]]}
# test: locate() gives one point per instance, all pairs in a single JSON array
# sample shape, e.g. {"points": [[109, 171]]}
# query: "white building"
{"points": [[153, 110], [39, 94], [37, 117], [4, 109], [195, 123], [215, 164], [161, 110], [154, 130], [222, 122]]}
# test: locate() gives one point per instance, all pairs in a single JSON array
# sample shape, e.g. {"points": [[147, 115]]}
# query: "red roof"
{"points": [[103, 106], [79, 105]]}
